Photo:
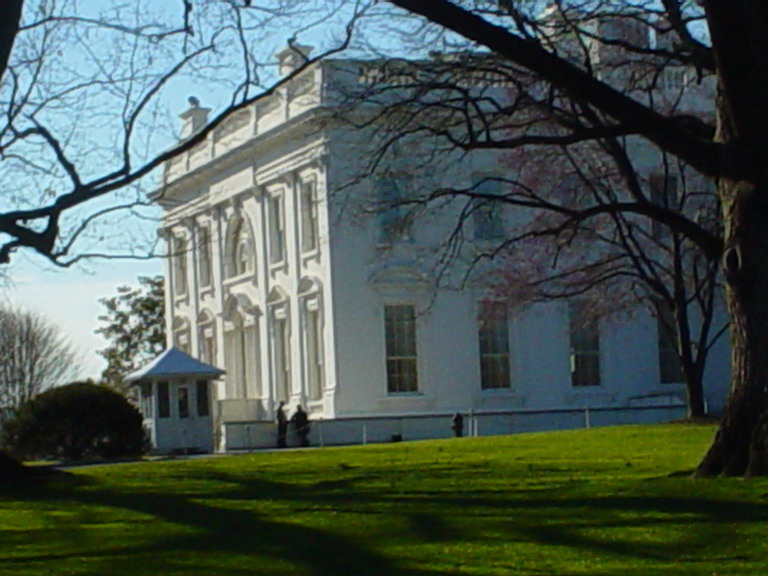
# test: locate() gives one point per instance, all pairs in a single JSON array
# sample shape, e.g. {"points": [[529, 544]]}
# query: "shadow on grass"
{"points": [[609, 524]]}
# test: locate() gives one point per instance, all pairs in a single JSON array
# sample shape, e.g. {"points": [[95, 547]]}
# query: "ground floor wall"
{"points": [[251, 435]]}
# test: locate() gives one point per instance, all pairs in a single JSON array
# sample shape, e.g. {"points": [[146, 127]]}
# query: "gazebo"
{"points": [[175, 400]]}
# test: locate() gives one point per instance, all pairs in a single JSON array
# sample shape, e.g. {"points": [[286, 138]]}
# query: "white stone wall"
{"points": [[352, 276]]}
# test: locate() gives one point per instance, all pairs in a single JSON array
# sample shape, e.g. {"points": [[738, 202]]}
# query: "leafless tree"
{"points": [[84, 94], [34, 356], [581, 195], [722, 43]]}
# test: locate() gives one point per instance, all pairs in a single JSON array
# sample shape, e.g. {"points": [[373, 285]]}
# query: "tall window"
{"points": [[282, 364], [203, 398], [487, 212], [391, 195], [585, 346], [309, 227], [241, 357], [204, 256], [183, 401], [163, 400], [208, 345], [670, 368], [240, 251], [179, 266], [663, 191], [493, 333], [400, 335], [276, 221], [314, 344]]}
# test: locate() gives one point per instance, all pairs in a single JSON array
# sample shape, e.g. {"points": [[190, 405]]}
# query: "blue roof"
{"points": [[175, 363]]}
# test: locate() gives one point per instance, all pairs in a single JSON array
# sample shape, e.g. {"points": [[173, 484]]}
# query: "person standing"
{"points": [[282, 425], [300, 422], [457, 425]]}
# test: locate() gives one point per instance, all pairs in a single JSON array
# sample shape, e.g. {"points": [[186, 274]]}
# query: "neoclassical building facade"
{"points": [[284, 274]]}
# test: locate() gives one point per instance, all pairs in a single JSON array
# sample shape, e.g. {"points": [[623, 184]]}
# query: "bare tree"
{"points": [[581, 194], [84, 129], [34, 356], [717, 40]]}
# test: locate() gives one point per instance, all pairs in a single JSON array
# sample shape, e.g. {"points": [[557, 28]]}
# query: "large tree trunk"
{"points": [[740, 446]]}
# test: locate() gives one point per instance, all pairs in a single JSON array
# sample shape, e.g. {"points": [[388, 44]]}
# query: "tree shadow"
{"points": [[600, 524]]}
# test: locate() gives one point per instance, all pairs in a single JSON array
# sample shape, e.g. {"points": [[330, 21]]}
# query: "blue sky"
{"points": [[70, 297]]}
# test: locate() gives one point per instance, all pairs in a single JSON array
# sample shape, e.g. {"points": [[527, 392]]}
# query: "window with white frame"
{"points": [[240, 251], [314, 348], [181, 334], [493, 335], [204, 256], [670, 368], [276, 224], [585, 345], [309, 215], [487, 209], [401, 357], [391, 197], [281, 352], [179, 259], [240, 356], [207, 338]]}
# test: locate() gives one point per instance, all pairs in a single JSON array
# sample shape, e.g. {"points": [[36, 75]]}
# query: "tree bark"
{"points": [[740, 445]]}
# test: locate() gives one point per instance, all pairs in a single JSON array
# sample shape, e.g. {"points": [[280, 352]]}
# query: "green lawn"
{"points": [[602, 501]]}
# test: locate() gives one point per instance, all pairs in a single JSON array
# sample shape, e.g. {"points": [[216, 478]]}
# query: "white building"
{"points": [[282, 277]]}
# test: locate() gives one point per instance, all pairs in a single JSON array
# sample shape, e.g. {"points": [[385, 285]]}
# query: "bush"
{"points": [[78, 421]]}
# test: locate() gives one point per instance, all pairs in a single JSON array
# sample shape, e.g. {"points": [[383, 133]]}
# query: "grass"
{"points": [[598, 502]]}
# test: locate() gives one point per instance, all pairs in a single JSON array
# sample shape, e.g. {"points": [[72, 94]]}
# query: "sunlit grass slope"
{"points": [[598, 502]]}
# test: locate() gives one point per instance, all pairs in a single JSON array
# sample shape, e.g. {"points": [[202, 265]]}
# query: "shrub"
{"points": [[78, 421]]}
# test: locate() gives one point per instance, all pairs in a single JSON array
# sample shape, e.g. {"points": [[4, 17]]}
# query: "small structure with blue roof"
{"points": [[175, 399]]}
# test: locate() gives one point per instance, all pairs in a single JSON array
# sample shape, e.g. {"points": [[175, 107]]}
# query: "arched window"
{"points": [[241, 349], [207, 337], [181, 336], [240, 249]]}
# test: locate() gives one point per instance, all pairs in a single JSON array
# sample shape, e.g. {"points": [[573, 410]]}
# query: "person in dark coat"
{"points": [[282, 425], [457, 425], [300, 422]]}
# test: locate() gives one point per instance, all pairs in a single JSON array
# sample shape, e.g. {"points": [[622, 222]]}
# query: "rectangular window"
{"points": [[585, 346], [493, 333], [250, 353], [309, 226], [183, 400], [208, 346], [314, 354], [163, 400], [204, 256], [400, 335], [276, 229], [487, 212], [663, 192], [390, 204], [282, 375], [670, 368], [203, 398], [179, 259]]}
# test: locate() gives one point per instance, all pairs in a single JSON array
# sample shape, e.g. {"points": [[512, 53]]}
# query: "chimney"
{"points": [[194, 118], [292, 57]]}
